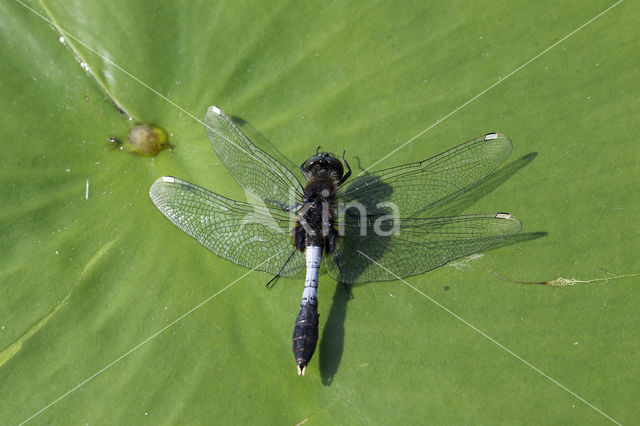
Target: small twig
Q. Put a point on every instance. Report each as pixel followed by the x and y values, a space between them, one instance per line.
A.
pixel 564 282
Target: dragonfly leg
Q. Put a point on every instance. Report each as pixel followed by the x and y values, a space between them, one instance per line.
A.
pixel 331 240
pixel 281 269
pixel 299 237
pixel 291 208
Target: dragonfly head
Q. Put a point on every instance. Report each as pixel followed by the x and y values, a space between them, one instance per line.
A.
pixel 322 161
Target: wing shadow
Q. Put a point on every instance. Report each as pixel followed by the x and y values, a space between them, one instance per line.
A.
pixel 461 202
pixel 352 264
pixel 332 343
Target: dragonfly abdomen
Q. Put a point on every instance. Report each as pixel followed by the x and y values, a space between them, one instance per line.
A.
pixel 305 332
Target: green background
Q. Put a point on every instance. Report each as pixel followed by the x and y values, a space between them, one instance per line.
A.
pixel 85 281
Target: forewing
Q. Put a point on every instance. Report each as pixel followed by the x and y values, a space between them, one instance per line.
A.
pixel 247 234
pixel 261 175
pixel 418 186
pixel 419 246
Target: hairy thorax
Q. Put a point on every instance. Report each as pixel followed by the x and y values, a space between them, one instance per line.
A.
pixel 315 225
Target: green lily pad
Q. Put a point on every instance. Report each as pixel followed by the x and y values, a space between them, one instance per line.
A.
pixel 109 314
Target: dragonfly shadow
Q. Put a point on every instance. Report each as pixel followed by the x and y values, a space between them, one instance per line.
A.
pixel 520 238
pixel 332 340
pixel 356 162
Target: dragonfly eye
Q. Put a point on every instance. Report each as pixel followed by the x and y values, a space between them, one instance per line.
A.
pixel 326 161
pixel 311 162
pixel 335 165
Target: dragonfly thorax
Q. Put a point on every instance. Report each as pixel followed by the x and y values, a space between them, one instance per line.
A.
pixel 315 226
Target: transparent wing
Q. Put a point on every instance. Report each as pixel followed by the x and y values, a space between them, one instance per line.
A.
pixel 418 246
pixel 261 175
pixel 418 186
pixel 247 234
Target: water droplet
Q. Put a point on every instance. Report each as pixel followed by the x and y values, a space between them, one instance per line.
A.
pixel 68 170
pixel 61 39
pixel 84 66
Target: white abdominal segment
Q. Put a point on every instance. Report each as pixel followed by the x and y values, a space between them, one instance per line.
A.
pixel 310 294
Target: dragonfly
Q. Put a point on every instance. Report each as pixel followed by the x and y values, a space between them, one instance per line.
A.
pixel 374 228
